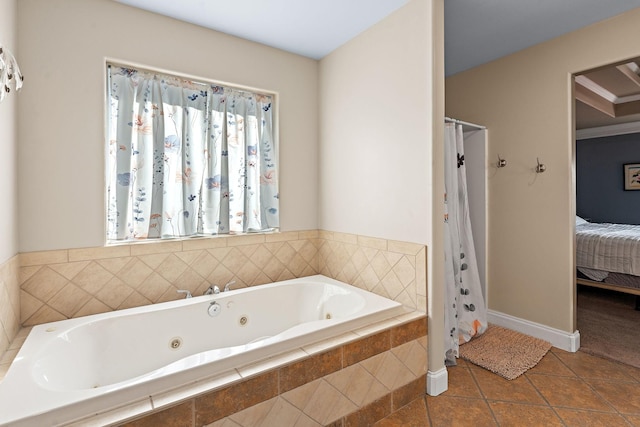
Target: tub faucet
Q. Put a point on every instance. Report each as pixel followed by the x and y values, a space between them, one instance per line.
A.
pixel 227 287
pixel 213 289
pixel 184 291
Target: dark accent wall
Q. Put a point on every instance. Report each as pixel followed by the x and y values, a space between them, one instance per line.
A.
pixel 600 190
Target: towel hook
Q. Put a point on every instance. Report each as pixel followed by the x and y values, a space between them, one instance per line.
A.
pixel 501 162
pixel 541 167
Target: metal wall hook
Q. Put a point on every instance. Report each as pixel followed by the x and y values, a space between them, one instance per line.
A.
pixel 540 167
pixel 501 162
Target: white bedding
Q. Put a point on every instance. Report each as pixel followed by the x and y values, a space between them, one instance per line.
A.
pixel 608 247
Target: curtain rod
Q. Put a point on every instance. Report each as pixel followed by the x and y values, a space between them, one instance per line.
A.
pixel 460 122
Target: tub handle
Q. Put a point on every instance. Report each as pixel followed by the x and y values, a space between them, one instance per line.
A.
pixel 212 290
pixel 184 291
pixel 227 287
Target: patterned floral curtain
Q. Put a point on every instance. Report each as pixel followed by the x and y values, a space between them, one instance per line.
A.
pixel 187 158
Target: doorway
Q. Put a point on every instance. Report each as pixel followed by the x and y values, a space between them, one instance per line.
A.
pixel 607 129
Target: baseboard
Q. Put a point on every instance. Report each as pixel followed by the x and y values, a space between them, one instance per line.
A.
pixel 560 339
pixel 437 382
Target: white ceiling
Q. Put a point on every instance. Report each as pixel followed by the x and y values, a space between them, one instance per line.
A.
pixel 307 28
pixel 476 31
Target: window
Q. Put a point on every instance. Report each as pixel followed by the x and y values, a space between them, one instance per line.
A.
pixel 187 158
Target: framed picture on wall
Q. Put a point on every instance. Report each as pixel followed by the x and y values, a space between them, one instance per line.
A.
pixel 632 176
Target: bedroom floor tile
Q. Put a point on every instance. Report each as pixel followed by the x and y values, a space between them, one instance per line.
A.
pixel 564 389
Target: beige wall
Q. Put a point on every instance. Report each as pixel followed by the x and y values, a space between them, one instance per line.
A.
pixel 375 142
pixel 379 175
pixel 525 100
pixel 8 141
pixel 61 152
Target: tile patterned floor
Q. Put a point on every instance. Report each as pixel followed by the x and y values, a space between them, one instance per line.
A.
pixel 564 389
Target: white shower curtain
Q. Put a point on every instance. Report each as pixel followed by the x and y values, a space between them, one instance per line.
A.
pixel 465 310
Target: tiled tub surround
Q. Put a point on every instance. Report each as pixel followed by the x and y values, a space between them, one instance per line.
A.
pixel 352 380
pixel 55 285
pixel 9 308
pixel 61 284
pixel 76 367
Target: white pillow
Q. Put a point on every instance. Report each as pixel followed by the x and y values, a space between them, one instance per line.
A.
pixel 580 221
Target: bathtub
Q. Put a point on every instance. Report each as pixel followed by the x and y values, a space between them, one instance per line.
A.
pixel 71 369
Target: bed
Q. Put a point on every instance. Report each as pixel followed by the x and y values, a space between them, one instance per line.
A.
pixel 608 256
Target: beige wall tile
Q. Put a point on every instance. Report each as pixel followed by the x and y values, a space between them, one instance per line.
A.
pixel 10 309
pixel 308 234
pixel 84 254
pixel 92 278
pixel 44 257
pixel 373 242
pixel 326 235
pixel 404 271
pixel 28 306
pixel 156 260
pixel 421 272
pixel 114 293
pixel 281 237
pixel 153 287
pixel 45 284
pixel 114 265
pixel 134 273
pixel 171 268
pixel 404 247
pixel 135 299
pixel 247 239
pixel 146 273
pixel 69 269
pixel 93 307
pixel 345 238
pixel 327 404
pixel 69 300
pixel 44 314
pixel 204 243
pixel 156 248
pixel 421 303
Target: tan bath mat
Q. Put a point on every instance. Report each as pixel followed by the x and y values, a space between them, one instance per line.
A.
pixel 503 351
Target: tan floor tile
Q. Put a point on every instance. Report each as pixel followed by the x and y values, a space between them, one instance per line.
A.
pixel 519 414
pixel 569 393
pixel 575 418
pixel 625 397
pixel 634 420
pixel 634 373
pixel 459 411
pixel 588 366
pixel 412 415
pixel 551 365
pixel 494 387
pixel 461 383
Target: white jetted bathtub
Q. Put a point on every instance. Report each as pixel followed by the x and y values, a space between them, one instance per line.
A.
pixel 73 368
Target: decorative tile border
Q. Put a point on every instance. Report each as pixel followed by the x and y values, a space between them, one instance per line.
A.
pixel 61 284
pixel 333 386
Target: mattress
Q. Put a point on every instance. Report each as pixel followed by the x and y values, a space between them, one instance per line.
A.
pixel 613 248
